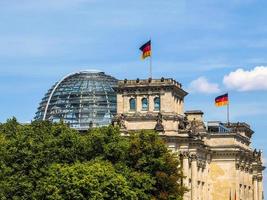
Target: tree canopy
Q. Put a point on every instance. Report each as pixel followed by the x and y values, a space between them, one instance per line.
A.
pixel 45 160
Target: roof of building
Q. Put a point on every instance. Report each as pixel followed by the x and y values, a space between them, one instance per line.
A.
pixel 82 99
pixel 194 112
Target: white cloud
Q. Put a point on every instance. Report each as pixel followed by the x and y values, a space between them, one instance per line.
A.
pixel 242 80
pixel 202 85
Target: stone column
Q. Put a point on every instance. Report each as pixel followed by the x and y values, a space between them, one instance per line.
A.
pixel 194 177
pixel 126 105
pixel 255 188
pixel 206 181
pixel 250 193
pixel 237 189
pixel 138 103
pixel 246 182
pixel 241 176
pixel 251 184
pixel 201 179
pixel 260 188
pixel 247 192
pixel 150 103
pixel 185 173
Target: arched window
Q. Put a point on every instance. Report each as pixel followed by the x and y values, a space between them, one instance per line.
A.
pixel 144 104
pixel 156 103
pixel 132 104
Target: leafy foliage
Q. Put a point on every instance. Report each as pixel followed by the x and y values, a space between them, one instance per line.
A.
pixel 43 160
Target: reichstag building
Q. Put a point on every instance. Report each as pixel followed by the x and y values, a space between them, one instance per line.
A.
pixel 217 158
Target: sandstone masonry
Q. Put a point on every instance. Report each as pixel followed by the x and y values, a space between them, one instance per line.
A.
pixel 217 159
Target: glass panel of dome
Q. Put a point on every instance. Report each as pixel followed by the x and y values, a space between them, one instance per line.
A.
pixel 80 97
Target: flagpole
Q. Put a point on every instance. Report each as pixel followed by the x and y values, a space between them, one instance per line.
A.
pixel 150 60
pixel 150 66
pixel 228 120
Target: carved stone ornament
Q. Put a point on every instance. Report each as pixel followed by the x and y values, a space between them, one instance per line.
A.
pixel 193 157
pixel 237 165
pixel 197 126
pixel 201 164
pixel 121 121
pixel 185 154
pixel 193 128
pixel 254 177
pixel 260 178
pixel 257 155
pixel 159 126
pixel 184 124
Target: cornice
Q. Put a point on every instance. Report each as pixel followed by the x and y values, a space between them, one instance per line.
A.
pixel 230 135
pixel 150 116
pixel 130 86
pixel 144 89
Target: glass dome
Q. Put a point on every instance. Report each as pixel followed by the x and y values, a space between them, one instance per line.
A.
pixel 83 100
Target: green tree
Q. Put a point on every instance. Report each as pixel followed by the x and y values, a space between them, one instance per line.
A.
pixel 44 160
pixel 148 153
pixel 88 180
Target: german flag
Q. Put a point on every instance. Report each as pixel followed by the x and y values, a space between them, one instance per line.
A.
pixel 222 100
pixel 146 49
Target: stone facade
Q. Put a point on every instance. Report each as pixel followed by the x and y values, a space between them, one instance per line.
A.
pixel 217 159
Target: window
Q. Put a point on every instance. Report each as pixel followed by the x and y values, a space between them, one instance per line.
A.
pixel 157 103
pixel 144 104
pixel 132 104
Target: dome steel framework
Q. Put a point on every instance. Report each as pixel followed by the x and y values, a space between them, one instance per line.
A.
pixel 83 100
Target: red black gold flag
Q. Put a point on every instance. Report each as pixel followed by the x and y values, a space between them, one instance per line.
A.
pixel 222 100
pixel 146 49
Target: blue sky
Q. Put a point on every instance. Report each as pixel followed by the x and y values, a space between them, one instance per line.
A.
pixel 201 44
